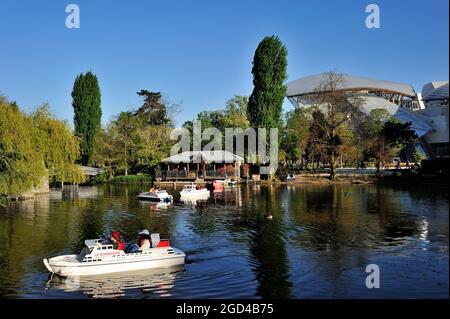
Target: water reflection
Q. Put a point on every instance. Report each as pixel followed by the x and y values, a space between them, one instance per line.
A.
pixel 154 283
pixel 270 261
pixel 154 207
pixel 317 243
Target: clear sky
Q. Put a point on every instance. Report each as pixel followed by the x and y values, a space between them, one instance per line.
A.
pixel 200 52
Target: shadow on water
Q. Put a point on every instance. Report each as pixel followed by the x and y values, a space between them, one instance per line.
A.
pixel 153 283
pixel 253 241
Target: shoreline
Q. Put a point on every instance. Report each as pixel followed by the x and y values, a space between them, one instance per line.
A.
pixel 349 180
pixel 367 180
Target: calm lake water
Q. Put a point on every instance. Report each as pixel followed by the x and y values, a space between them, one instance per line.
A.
pixel 317 245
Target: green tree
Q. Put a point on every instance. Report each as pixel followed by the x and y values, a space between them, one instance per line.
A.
pixel 124 136
pixel 295 134
pixel 236 112
pixel 368 130
pixel 136 138
pixel 106 153
pixel 21 164
pixel 57 145
pixel 314 151
pixel 373 123
pixel 269 75
pixel 207 119
pixel 86 102
pixel 211 119
pixel 154 110
pixel 153 144
pixel 392 137
pixel 338 108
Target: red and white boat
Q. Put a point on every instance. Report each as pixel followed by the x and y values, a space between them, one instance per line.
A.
pixel 97 258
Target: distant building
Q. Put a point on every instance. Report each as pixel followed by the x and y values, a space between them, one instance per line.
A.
pixel 399 99
pixel 206 165
pixel 435 113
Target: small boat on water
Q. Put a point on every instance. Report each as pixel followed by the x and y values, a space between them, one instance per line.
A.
pixel 229 183
pixel 193 191
pixel 290 178
pixel 156 196
pixel 97 258
pixel 218 186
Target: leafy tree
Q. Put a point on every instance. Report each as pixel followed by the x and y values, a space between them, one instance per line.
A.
pixel 207 119
pixel 86 100
pixel 373 123
pixel 124 137
pixel 393 136
pixel 57 145
pixel 236 112
pixel 418 157
pixel 136 138
pixel 153 144
pixel 154 110
pixel 316 152
pixel 295 134
pixel 398 134
pixel 106 154
pixel 21 164
pixel 211 119
pixel 269 75
pixel 338 108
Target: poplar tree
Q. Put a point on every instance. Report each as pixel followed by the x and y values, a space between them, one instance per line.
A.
pixel 269 74
pixel 86 105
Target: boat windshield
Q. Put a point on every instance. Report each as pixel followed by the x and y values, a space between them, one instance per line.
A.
pixel 85 251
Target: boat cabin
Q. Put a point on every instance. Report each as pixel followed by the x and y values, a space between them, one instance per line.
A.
pixel 95 247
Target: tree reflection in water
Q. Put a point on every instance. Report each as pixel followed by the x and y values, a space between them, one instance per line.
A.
pixel 316 245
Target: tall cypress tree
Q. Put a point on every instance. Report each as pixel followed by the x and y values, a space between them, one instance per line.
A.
pixel 86 100
pixel 269 73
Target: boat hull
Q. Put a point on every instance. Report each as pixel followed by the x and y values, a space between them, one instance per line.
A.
pixel 155 198
pixel 151 199
pixel 73 268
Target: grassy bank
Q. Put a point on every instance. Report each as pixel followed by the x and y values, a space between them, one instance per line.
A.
pixel 364 179
pixel 123 179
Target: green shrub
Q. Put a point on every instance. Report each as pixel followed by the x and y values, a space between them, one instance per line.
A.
pixel 100 178
pixel 133 179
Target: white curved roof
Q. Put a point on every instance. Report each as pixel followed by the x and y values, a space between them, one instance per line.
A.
pixel 439 93
pixel 403 115
pixel 431 86
pixel 309 84
pixel 204 156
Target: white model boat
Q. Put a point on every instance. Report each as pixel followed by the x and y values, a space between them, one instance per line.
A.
pixel 97 259
pixel 156 196
pixel 191 192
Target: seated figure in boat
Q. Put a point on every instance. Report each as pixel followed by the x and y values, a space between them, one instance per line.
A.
pixel 143 242
pixel 116 241
pixel 154 189
pixel 144 239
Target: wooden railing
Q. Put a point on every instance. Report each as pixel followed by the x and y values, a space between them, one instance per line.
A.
pixel 182 174
pixel 91 171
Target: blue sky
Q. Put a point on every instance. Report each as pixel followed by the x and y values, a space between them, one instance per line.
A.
pixel 200 52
